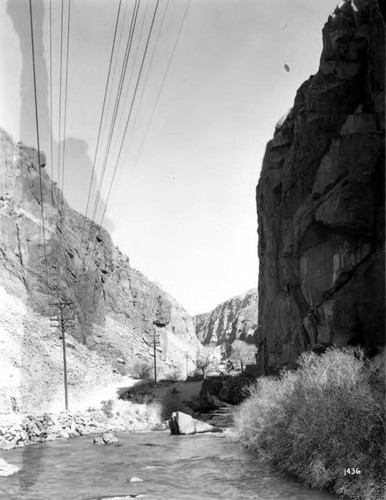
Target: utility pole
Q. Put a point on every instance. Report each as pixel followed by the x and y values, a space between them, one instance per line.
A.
pixel 158 321
pixel 187 364
pixel 63 321
pixel 155 345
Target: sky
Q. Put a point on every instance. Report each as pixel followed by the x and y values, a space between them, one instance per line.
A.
pixel 182 204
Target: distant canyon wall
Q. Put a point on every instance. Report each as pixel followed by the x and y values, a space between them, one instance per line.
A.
pixel 320 201
pixel 234 319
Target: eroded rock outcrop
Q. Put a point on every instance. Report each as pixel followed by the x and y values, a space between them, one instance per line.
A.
pixel 320 200
pixel 234 319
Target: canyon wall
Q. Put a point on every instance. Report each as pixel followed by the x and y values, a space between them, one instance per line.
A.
pixel 116 308
pixel 321 204
pixel 234 319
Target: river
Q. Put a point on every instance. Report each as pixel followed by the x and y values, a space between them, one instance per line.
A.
pixel 197 467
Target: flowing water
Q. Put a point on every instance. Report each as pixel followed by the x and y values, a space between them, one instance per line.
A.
pixel 198 467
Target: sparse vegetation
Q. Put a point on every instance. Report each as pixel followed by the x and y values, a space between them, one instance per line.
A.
pixel 143 370
pixel 176 375
pixel 207 359
pixel 107 407
pixel 320 420
pixel 242 353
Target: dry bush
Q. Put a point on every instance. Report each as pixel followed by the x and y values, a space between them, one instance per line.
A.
pixel 107 407
pixel 325 417
pixel 176 375
pixel 207 358
pixel 143 370
pixel 242 353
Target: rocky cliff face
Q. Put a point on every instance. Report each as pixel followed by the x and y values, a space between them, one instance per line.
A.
pixel 114 305
pixel 234 319
pixel 320 200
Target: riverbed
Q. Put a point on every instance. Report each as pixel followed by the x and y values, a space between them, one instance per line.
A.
pixel 197 467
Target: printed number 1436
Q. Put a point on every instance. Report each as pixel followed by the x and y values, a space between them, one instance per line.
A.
pixel 351 471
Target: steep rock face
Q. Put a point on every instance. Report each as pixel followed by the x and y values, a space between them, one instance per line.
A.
pixel 234 319
pixel 320 200
pixel 116 307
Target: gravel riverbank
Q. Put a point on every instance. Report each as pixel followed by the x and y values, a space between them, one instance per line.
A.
pixel 18 430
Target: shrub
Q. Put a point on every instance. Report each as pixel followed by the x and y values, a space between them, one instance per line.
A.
pixel 320 420
pixel 207 359
pixel 176 375
pixel 242 353
pixel 107 408
pixel 194 377
pixel 143 370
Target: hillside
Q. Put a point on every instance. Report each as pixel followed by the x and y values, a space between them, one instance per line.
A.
pixel 321 201
pixel 114 305
pixel 233 319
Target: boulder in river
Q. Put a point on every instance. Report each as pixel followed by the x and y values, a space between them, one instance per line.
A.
pixel 109 438
pixel 98 440
pixel 105 438
pixel 181 423
pixel 136 480
pixel 7 469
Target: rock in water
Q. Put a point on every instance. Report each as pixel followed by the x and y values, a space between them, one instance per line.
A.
pixel 109 438
pixel 98 440
pixel 320 201
pixel 181 423
pixel 7 469
pixel 105 438
pixel 63 434
pixel 136 480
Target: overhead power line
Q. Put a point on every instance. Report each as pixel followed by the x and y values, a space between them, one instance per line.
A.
pixel 127 123
pixel 117 102
pixel 151 62
pixel 60 89
pixel 127 53
pixel 102 113
pixel 133 105
pixel 135 58
pixel 65 97
pixel 62 131
pixel 38 140
pixel 130 111
pixel 165 75
pixel 51 132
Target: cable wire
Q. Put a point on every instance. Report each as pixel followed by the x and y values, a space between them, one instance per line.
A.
pixel 38 139
pixel 117 102
pixel 81 252
pixel 60 92
pixel 131 109
pixel 51 140
pixel 163 80
pixel 127 123
pixel 65 97
pixel 151 62
pixel 102 113
pixel 135 57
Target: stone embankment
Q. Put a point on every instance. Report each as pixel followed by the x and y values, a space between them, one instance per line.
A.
pixel 25 430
